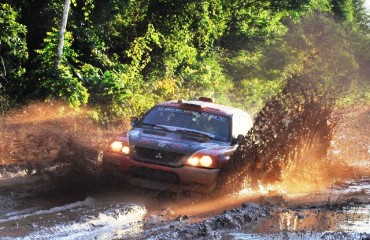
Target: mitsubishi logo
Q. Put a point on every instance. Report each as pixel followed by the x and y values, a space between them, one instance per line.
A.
pixel 158 156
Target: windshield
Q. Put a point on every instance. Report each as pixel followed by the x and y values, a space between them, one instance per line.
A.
pixel 212 124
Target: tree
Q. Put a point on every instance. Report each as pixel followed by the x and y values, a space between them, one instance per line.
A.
pixel 62 31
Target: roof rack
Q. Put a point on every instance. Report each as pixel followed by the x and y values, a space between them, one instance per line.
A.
pixel 206 99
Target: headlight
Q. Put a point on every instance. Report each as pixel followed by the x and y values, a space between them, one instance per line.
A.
pixel 201 161
pixel 125 150
pixel 118 147
pixel 193 161
pixel 206 161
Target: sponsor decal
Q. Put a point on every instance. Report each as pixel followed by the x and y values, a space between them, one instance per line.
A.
pixel 204 114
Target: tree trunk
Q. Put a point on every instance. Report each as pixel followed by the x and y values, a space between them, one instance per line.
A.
pixel 62 30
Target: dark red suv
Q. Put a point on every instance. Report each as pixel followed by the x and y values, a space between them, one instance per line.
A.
pixel 179 145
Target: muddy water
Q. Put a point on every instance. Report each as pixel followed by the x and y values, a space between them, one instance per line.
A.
pixel 88 218
pixel 347 219
pixel 345 215
pixel 31 209
pixel 352 217
pixel 320 223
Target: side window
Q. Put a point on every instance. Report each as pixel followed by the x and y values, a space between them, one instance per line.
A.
pixel 236 125
pixel 241 124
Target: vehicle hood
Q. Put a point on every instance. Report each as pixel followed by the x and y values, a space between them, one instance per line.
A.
pixel 172 141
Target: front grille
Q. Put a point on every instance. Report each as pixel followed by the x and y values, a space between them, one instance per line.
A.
pixel 156 156
pixel 154 174
pixel 152 132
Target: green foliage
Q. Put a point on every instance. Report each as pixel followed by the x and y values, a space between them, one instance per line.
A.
pixel 13 50
pixel 317 55
pixel 60 83
pixel 344 9
pixel 178 53
pixel 121 57
pixel 324 49
pixel 361 16
pixel 253 93
pixel 357 94
pixel 206 78
pixel 139 51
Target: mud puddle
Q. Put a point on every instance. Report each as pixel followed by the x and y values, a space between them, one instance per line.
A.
pixel 350 222
pixel 88 218
pixel 79 220
pixel 32 209
pixel 347 219
pixel 343 212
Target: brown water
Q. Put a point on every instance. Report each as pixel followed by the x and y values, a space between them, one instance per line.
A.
pixel 348 219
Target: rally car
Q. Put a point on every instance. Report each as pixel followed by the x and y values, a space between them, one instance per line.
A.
pixel 179 145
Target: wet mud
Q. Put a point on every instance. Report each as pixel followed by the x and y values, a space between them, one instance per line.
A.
pixel 65 195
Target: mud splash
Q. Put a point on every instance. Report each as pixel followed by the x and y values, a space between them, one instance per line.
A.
pixel 293 132
pixel 50 139
pixel 281 136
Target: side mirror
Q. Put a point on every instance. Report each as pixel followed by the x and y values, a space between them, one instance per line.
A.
pixel 239 139
pixel 134 121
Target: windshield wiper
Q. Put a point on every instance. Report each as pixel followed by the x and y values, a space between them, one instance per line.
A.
pixel 196 133
pixel 157 126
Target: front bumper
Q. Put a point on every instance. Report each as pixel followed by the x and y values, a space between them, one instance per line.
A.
pixel 189 178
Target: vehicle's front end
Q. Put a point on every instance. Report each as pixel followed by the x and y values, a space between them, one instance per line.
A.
pixel 160 162
pixel 174 147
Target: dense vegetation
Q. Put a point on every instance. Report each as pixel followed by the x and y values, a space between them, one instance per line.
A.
pixel 121 57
